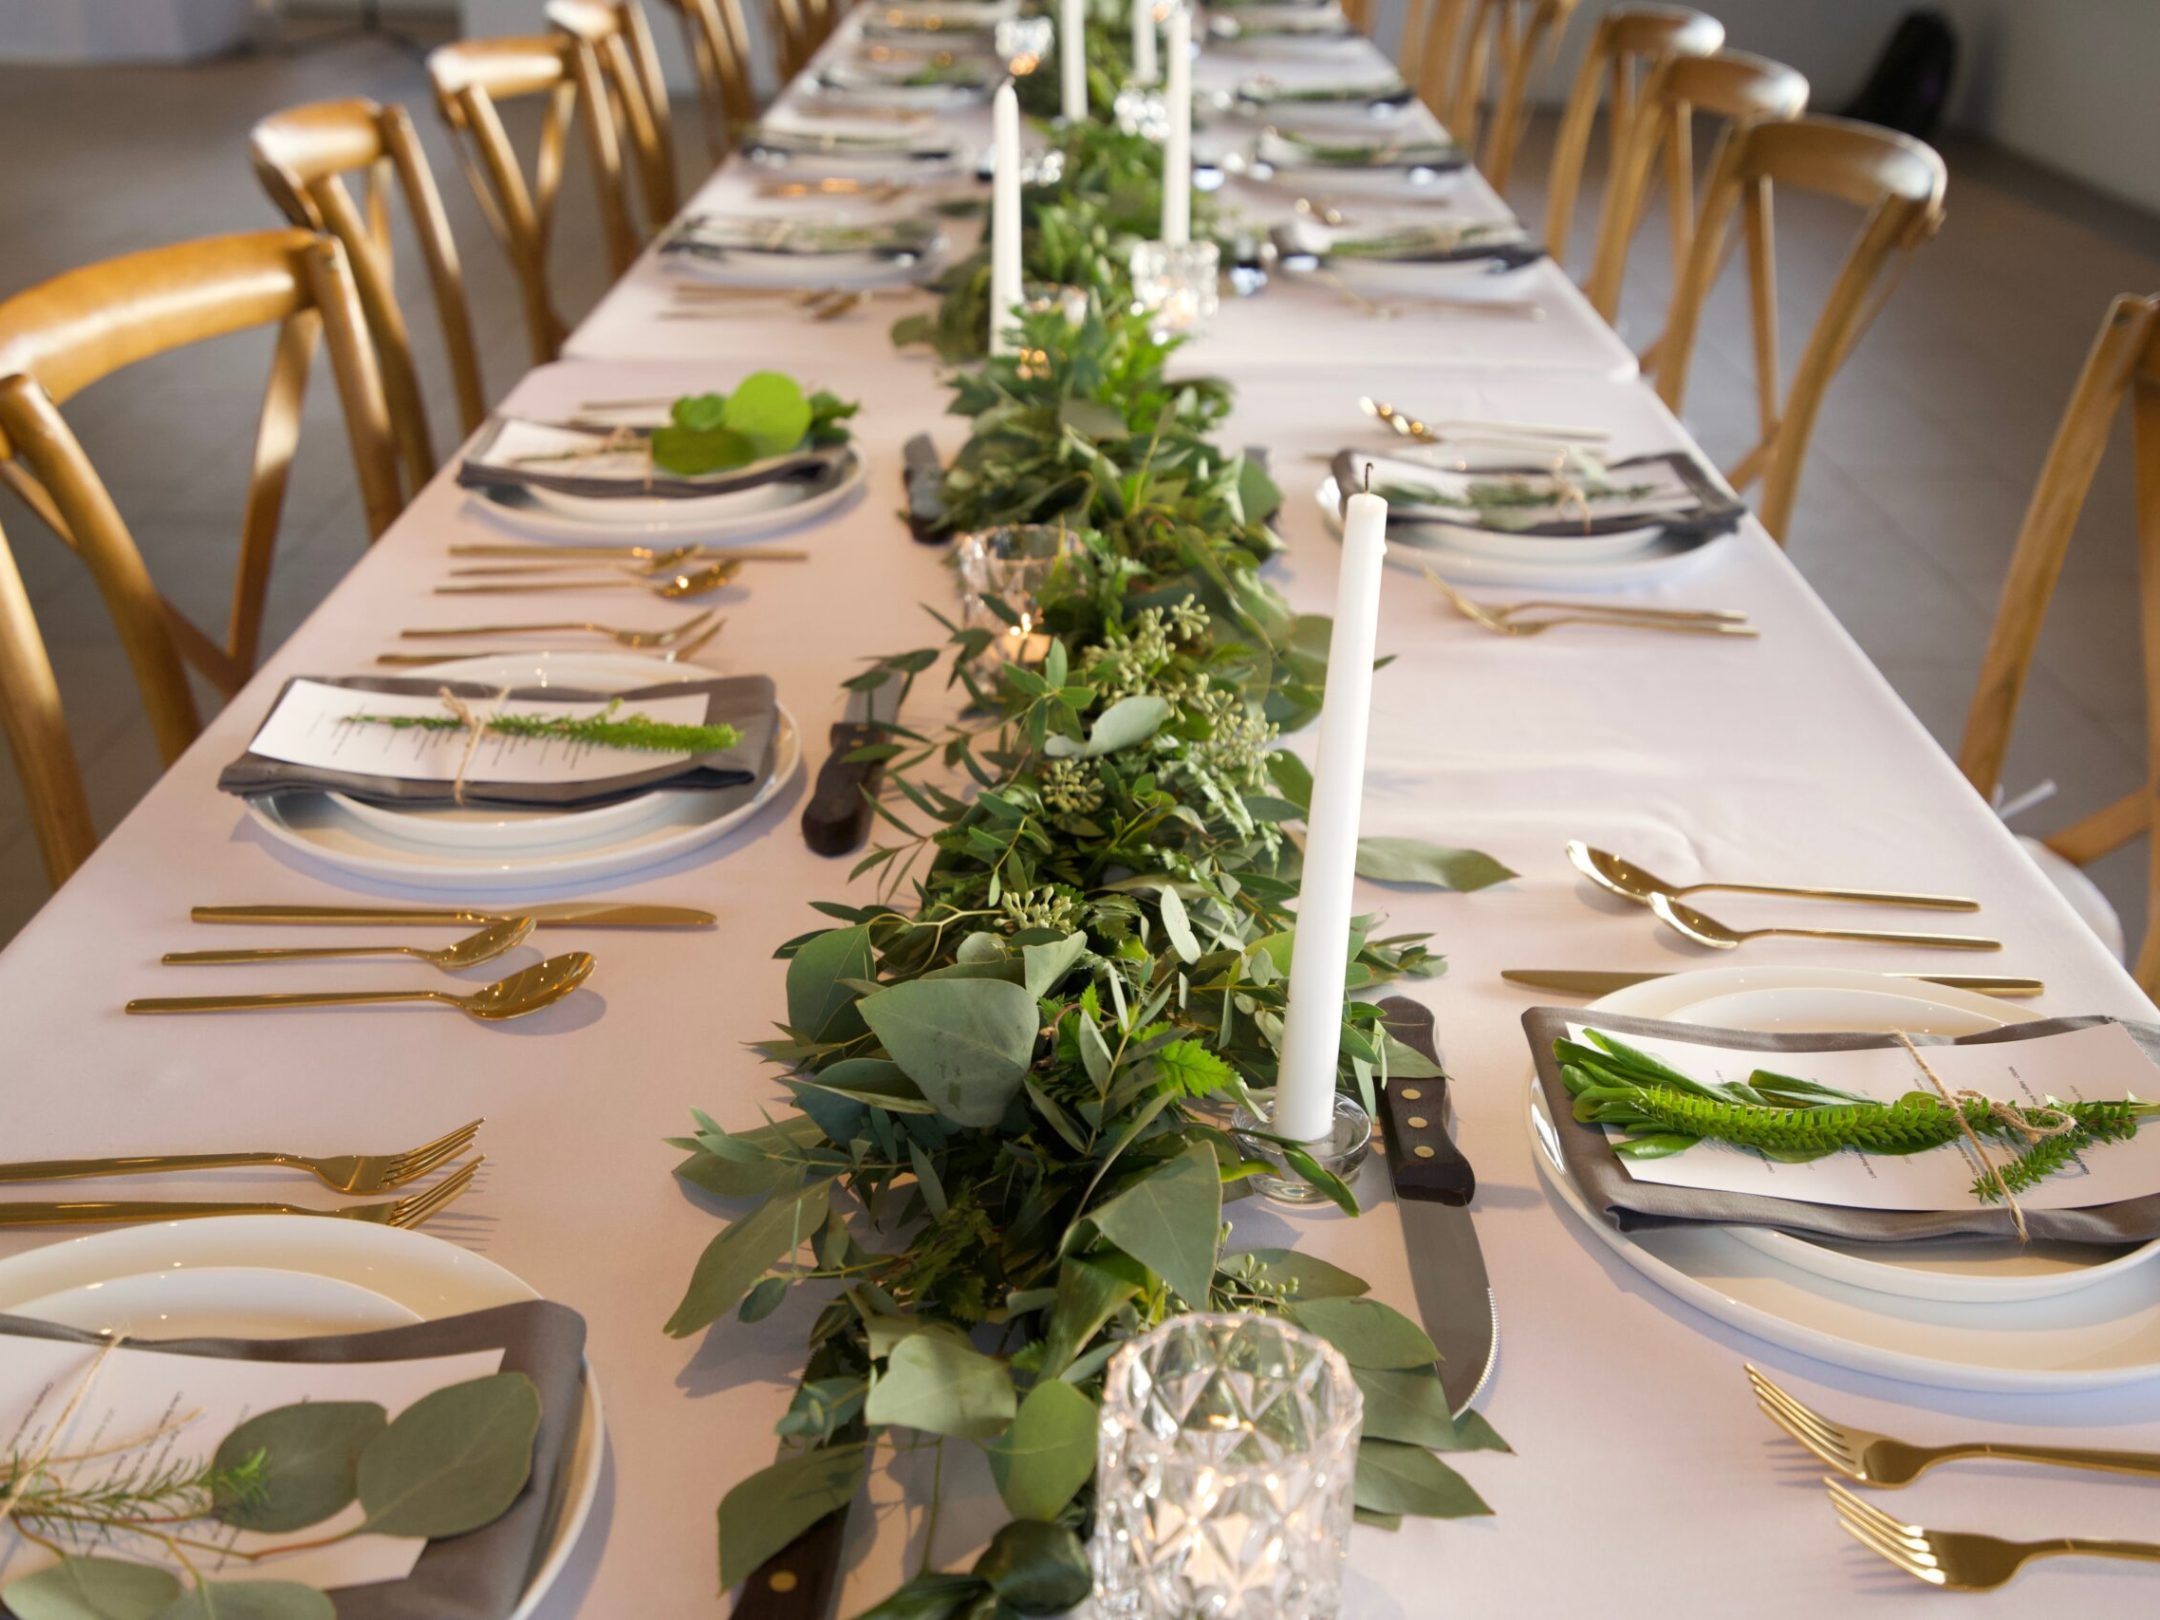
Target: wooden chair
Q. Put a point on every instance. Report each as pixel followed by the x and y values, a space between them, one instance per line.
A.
pixel 1472 46
pixel 718 35
pixel 471 77
pixel 58 338
pixel 1425 51
pixel 302 156
pixel 622 43
pixel 1897 180
pixel 1625 50
pixel 1730 86
pixel 789 31
pixel 2124 365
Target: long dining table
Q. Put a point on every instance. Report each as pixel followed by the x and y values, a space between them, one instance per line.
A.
pixel 1643 1481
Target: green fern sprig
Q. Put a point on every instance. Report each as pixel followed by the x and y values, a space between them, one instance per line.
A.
pixel 638 732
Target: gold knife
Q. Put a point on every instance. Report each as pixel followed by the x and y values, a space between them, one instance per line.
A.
pixel 1588 982
pixel 581 913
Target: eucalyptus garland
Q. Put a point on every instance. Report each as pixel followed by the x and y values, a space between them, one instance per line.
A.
pixel 1011 1071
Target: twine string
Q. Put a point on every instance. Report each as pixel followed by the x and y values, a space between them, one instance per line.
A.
pixel 2025 1122
pixel 476 725
pixel 12 1493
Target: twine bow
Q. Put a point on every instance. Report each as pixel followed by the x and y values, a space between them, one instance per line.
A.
pixel 13 1491
pixel 475 725
pixel 2025 1122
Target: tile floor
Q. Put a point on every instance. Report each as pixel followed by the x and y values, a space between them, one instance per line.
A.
pixel 1913 492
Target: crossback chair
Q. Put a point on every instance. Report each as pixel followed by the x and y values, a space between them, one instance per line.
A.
pixel 1624 52
pixel 1896 180
pixel 471 78
pixel 58 338
pixel 1731 87
pixel 718 35
pixel 1473 51
pixel 621 41
pixel 302 156
pixel 2124 366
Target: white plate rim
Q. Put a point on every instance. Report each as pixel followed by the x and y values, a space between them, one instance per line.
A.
pixel 552 524
pixel 53 1266
pixel 40 1306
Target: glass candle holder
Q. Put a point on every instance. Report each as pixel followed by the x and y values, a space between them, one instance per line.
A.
pixel 1223 1473
pixel 1012 565
pixel 1140 109
pixel 1022 43
pixel 1174 285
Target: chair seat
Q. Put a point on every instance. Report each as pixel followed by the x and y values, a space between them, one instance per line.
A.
pixel 2083 894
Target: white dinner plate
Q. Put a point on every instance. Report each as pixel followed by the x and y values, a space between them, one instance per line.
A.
pixel 862 271
pixel 740 515
pixel 219 1302
pixel 1638 563
pixel 2098 1332
pixel 427 851
pixel 410 1275
pixel 489 827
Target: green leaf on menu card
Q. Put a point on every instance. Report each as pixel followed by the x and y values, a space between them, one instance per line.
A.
pixel 1168 1221
pixel 250 1600
pixel 1048 1452
pixel 776 1504
pixel 453 1460
pixel 693 454
pixel 310 1457
pixel 941 1386
pixel 966 1042
pixel 745 1250
pixel 1129 720
pixel 768 408
pixel 1311 1276
pixel 1368 1333
pixel 1395 1478
pixel 1431 866
pixel 91 1589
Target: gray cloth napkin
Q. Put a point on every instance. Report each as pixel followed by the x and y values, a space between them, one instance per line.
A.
pixel 745 702
pixel 480 1575
pixel 1718 513
pixel 1631 1205
pixel 476 471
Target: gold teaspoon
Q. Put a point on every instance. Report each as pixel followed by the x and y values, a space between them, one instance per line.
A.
pixel 1623 877
pixel 525 991
pixel 491 942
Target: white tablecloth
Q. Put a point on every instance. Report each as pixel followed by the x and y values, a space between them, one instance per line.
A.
pixel 1644 1484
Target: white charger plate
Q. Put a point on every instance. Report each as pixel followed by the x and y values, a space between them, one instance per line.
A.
pixel 860 271
pixel 216 1273
pixel 1637 563
pixel 2097 1336
pixel 740 515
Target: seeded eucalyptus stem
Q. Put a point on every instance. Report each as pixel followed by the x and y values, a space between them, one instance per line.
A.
pixel 636 732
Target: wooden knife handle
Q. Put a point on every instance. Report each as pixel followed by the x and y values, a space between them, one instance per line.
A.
pixel 837 818
pixel 801 1580
pixel 1423 1160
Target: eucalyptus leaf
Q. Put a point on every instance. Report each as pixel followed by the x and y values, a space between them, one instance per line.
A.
pixel 765 1512
pixel 933 1595
pixel 250 1600
pixel 1048 1453
pixel 1431 866
pixel 1047 965
pixel 745 1251
pixel 1395 1478
pixel 1036 1568
pixel 310 1458
pixel 1406 1405
pixel 966 1042
pixel 453 1460
pixel 934 1384
pixel 91 1589
pixel 1128 721
pixel 1368 1333
pixel 1474 1433
pixel 821 1002
pixel 1089 1289
pixel 1311 1276
pixel 756 1162
pixel 1178 926
pixel 1168 1221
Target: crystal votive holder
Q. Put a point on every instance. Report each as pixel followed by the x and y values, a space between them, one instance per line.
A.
pixel 1223 1473
pixel 1022 43
pixel 1012 565
pixel 1174 285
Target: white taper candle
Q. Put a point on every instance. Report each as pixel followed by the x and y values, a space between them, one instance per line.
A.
pixel 1072 60
pixel 1177 150
pixel 1144 68
pixel 1312 1022
pixel 1005 290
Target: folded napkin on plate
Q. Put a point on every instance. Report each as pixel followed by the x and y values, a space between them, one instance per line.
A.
pixel 514 454
pixel 1289 151
pixel 1705 512
pixel 1262 91
pixel 723 235
pixel 745 702
pixel 1496 247
pixel 479 1575
pixel 1631 1205
pixel 878 144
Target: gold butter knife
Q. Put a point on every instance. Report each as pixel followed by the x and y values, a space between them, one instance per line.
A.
pixel 1590 982
pixel 563 913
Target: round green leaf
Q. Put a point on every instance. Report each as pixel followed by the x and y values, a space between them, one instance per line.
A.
pixel 693 452
pixel 453 1460
pixel 1368 1333
pixel 966 1042
pixel 310 1452
pixel 1048 1452
pixel 250 1600
pixel 1036 1568
pixel 91 1589
pixel 942 1386
pixel 768 409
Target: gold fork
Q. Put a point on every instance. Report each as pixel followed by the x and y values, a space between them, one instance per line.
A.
pixel 1877 1459
pixel 1958 1560
pixel 410 1210
pixel 1501 621
pixel 622 638
pixel 348 1173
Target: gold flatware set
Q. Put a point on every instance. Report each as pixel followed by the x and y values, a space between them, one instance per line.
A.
pixel 1604 981
pixel 490 942
pixel 525 991
pixel 1534 618
pixel 1619 876
pixel 1954 1560
pixel 553 914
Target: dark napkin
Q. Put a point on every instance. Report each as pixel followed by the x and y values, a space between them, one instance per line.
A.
pixel 479 1575
pixel 743 701
pixel 1718 514
pixel 1632 1205
pixel 475 471
pixel 713 236
pixel 1297 247
pixel 923 475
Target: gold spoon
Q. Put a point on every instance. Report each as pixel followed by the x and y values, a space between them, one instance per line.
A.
pixel 1617 875
pixel 527 990
pixel 1678 914
pixel 470 951
pixel 692 582
pixel 662 562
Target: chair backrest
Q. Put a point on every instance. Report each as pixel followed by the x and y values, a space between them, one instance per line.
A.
pixel 471 77
pixel 1895 179
pixel 1479 49
pixel 2124 365
pixel 302 156
pixel 67 333
pixel 718 35
pixel 36 726
pixel 1731 86
pixel 1624 50
pixel 621 41
pixel 789 31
